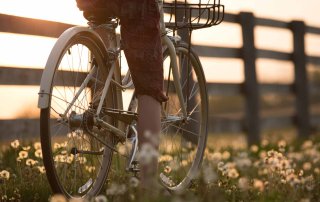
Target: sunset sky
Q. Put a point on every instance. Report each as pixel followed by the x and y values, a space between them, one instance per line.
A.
pixel 29 51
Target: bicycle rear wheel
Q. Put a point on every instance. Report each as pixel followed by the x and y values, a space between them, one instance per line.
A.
pixel 183 140
pixel 76 162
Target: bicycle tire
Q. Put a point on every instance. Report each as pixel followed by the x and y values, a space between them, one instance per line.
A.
pixel 180 162
pixel 70 170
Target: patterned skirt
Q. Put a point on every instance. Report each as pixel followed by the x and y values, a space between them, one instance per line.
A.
pixel 141 42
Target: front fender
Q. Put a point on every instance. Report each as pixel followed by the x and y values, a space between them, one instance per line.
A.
pixel 55 57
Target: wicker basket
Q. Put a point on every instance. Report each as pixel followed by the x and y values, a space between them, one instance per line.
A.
pixel 193 15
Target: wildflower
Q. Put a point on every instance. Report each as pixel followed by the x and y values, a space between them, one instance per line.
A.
pixel 56 146
pixel 134 182
pixel 285 164
pixel 27 148
pixel 41 169
pixel 60 158
pixel 90 169
pixel 37 145
pixel 4 174
pixel 216 156
pixel 15 144
pixel 307 166
pixel 243 154
pixel 271 153
pixel 289 171
pixel 295 155
pixel 301 173
pixel 122 149
pixel 243 162
pixel 116 189
pixel 262 154
pixel 38 153
pixel 258 184
pixel 230 165
pixel 174 165
pixel 132 197
pixel 165 158
pixel 72 135
pixel 189 145
pixel 220 165
pixel 100 198
pixel 58 198
pixel 77 200
pixel 184 163
pixel 282 144
pixel 70 158
pixel 316 160
pixel 31 162
pixel 233 173
pixel 81 159
pixel 257 164
pixel 254 148
pixel 4 197
pixel 147 154
pixel 309 182
pixel 263 171
pixel 167 169
pixel 264 142
pixel 154 139
pixel 292 179
pixel 23 154
pixel 243 183
pixel 209 175
pixel 307 145
pixel 226 155
pixel 64 144
pixel 63 152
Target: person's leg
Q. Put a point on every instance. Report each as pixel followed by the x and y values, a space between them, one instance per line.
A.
pixel 140 34
pixel 149 110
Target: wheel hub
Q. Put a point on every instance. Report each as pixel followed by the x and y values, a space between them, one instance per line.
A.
pixel 81 121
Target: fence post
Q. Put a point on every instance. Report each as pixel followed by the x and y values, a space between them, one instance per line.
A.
pixel 300 80
pixel 251 88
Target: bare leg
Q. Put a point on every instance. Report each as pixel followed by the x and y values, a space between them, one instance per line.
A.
pixel 149 125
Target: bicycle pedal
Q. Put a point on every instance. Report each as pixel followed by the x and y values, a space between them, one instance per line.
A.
pixel 134 170
pixel 135 162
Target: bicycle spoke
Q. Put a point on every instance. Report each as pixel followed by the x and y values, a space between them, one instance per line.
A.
pixel 183 137
pixel 77 86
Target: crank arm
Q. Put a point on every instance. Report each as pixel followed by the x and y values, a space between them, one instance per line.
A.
pixel 119 133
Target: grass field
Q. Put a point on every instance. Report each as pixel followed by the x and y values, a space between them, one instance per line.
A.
pixel 274 170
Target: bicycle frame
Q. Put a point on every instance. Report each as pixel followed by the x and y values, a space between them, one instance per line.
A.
pixel 45 90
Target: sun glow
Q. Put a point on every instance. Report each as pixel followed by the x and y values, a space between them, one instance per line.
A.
pixel 18 50
pixel 58 10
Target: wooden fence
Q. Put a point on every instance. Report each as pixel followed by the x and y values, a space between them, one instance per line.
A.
pixel 252 123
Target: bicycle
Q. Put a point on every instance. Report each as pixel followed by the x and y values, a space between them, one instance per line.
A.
pixel 83 123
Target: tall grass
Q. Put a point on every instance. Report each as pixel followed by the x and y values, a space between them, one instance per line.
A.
pixel 269 171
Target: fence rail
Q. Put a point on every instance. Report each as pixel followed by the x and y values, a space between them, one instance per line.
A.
pixel 252 121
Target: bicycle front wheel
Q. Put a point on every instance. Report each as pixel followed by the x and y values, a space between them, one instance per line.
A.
pixel 75 154
pixel 183 138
